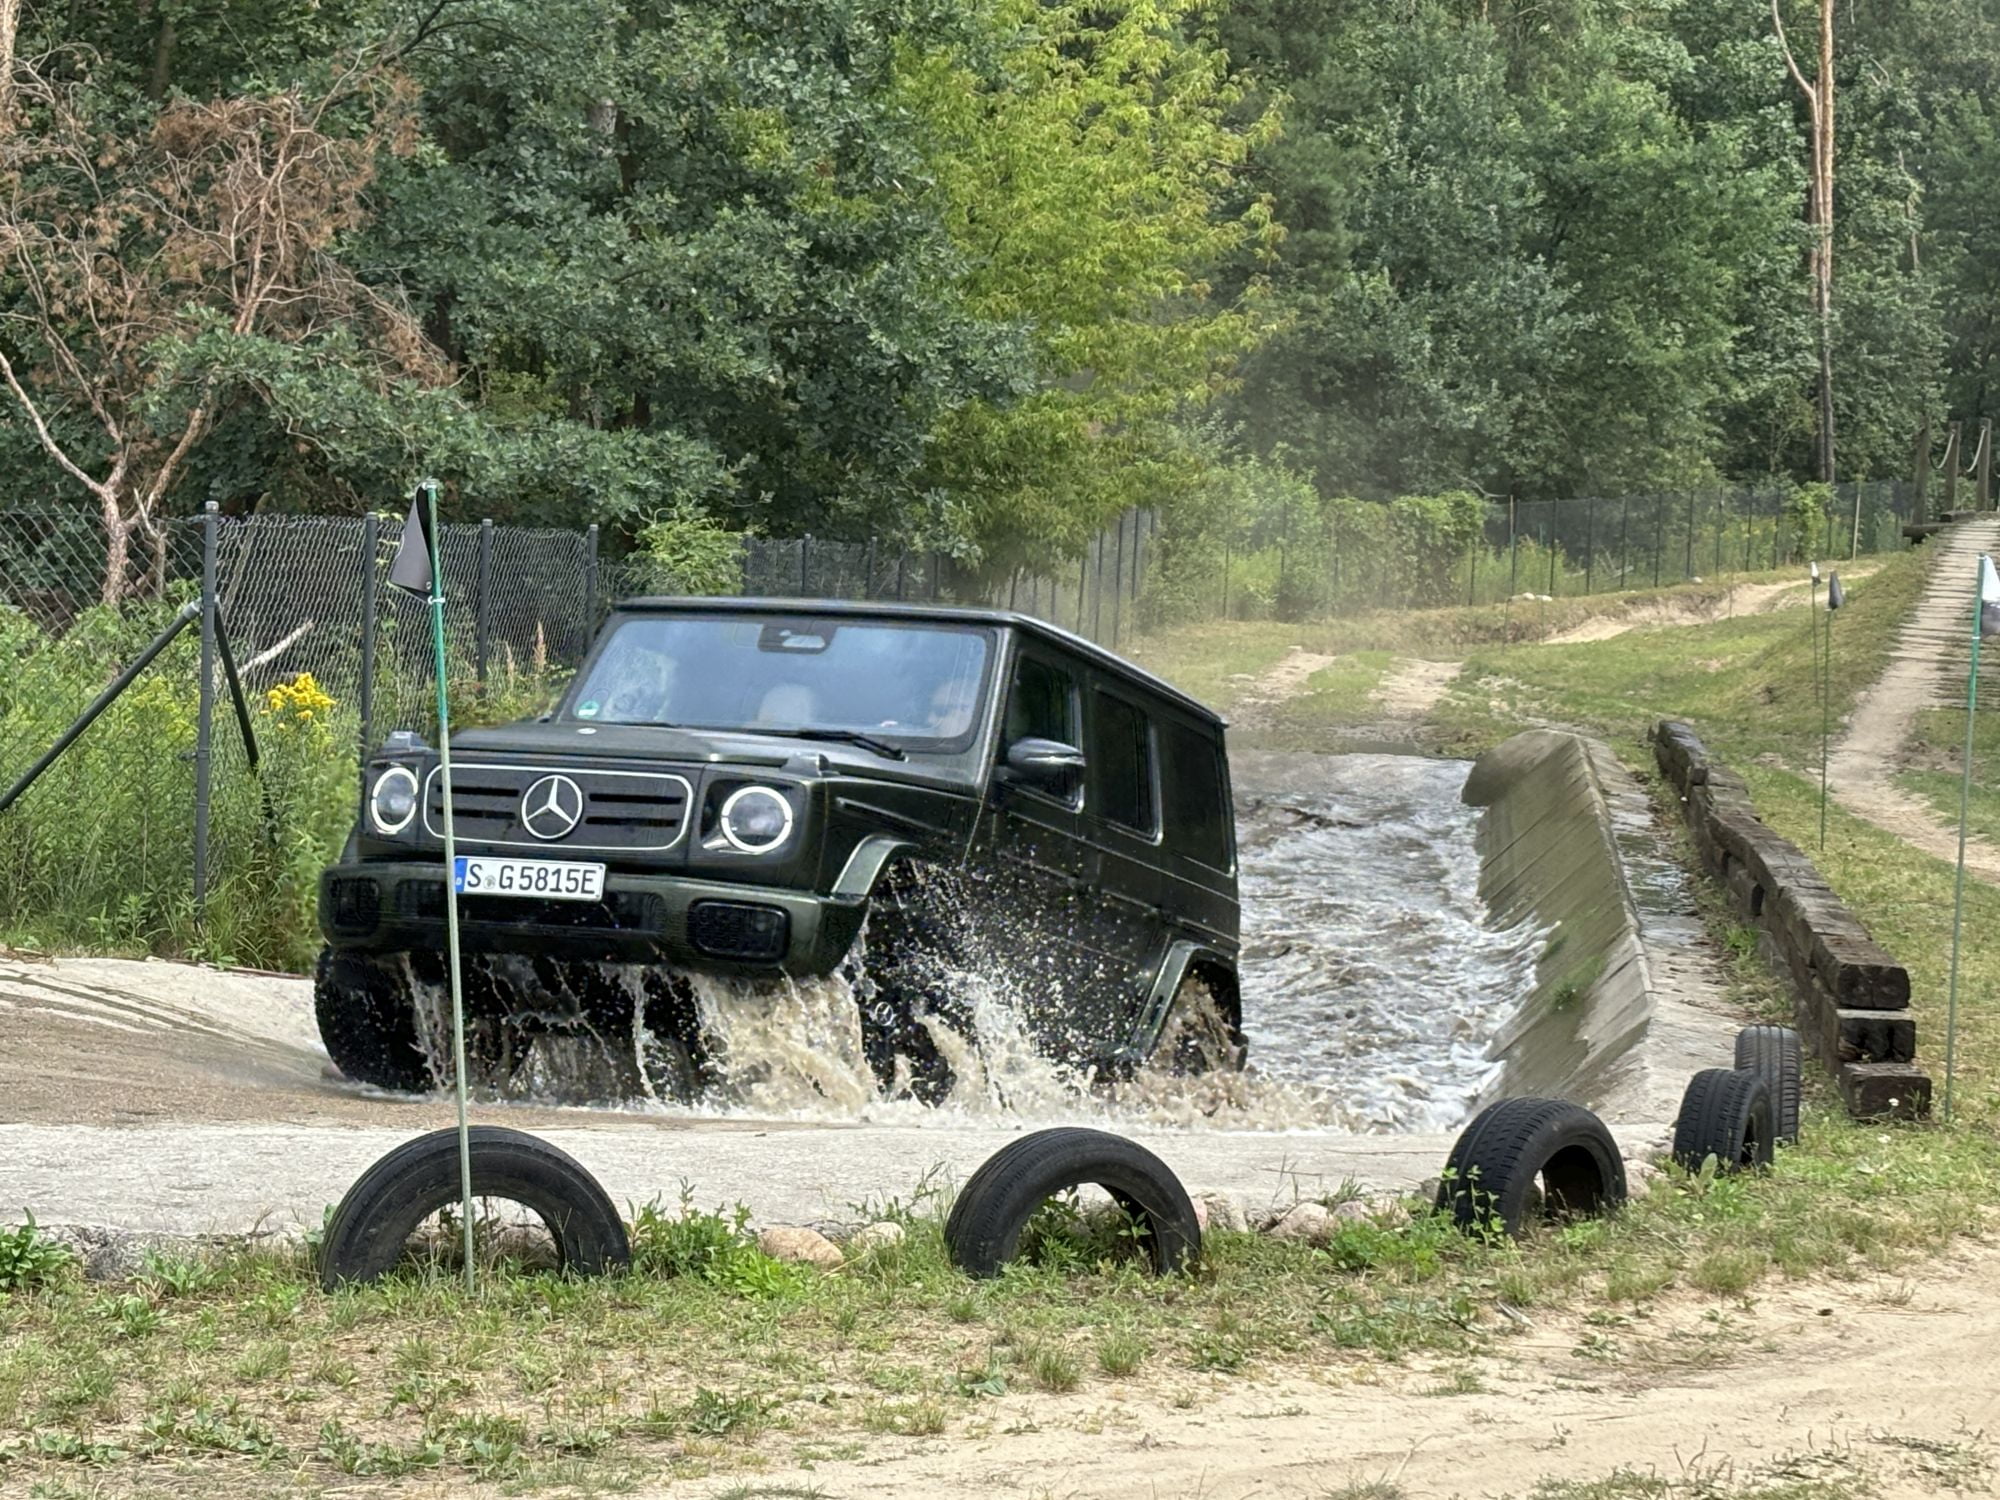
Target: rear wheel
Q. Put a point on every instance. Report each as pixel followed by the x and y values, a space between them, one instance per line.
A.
pixel 368 1020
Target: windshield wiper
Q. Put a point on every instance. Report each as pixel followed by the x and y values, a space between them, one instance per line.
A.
pixel 846 737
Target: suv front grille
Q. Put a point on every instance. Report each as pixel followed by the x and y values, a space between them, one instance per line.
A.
pixel 638 811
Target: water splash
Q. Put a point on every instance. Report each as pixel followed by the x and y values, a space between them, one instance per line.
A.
pixel 1372 986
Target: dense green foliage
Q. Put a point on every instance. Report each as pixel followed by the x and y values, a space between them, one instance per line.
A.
pixel 1557 249
pixel 978 277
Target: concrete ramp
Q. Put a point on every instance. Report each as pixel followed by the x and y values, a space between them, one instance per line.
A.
pixel 1624 1010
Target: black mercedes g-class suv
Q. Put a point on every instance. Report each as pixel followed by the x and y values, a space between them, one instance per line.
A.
pixel 781 788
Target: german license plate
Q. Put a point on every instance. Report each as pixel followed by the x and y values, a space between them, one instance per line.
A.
pixel 542 879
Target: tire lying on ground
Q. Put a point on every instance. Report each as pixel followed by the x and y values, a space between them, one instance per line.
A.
pixel 983 1231
pixel 1726 1113
pixel 1524 1159
pixel 1775 1052
pixel 366 1235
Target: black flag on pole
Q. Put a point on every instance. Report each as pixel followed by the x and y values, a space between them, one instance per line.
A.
pixel 411 570
pixel 1835 594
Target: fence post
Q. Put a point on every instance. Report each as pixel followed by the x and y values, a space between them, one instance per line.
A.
pixel 1920 474
pixel 1013 590
pixel 589 584
pixel 1985 463
pixel 1472 569
pixel 1225 577
pixel 371 536
pixel 868 576
pixel 1624 520
pixel 204 729
pixel 1097 595
pixel 937 576
pixel 1951 468
pixel 1589 543
pixel 1687 563
pixel 1514 545
pixel 1721 523
pixel 483 631
pixel 902 574
pixel 1118 584
pixel 1659 535
pixel 1082 579
pixel 805 566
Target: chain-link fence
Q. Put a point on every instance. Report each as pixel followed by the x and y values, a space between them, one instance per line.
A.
pixel 194 812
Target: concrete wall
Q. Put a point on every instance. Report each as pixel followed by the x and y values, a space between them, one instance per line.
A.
pixel 1851 998
pixel 1598 1028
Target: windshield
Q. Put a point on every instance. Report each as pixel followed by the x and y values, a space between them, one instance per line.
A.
pixel 915 684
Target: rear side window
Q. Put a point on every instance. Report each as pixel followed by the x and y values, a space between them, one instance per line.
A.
pixel 1198 810
pixel 1042 705
pixel 1121 765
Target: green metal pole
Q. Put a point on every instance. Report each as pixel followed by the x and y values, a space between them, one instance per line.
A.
pixel 450 877
pixel 1958 892
pixel 1825 717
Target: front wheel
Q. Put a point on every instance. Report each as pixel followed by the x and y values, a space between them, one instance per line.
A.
pixel 367 1018
pixel 1197 1036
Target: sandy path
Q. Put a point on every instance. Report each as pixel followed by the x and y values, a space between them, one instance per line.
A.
pixel 1412 689
pixel 1278 684
pixel 1804 1381
pixel 1742 599
pixel 1924 671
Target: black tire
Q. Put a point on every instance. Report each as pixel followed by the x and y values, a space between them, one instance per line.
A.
pixel 1775 1051
pixel 1196 1037
pixel 1526 1159
pixel 367 1233
pixel 368 1022
pixel 911 955
pixel 1726 1113
pixel 983 1231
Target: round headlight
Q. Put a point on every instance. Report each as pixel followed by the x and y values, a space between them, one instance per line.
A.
pixel 392 802
pixel 756 819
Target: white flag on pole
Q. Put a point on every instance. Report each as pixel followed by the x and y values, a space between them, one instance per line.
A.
pixel 1989 596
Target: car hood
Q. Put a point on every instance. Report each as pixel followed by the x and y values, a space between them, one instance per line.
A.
pixel 629 742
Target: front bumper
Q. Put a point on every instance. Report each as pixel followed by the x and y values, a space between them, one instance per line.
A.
pixel 389 905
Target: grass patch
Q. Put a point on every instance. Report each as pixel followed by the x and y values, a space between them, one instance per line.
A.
pixel 1218 660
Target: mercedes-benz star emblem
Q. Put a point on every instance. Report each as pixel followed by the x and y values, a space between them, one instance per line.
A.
pixel 552 807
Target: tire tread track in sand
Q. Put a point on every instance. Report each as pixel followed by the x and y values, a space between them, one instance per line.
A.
pixel 1924 666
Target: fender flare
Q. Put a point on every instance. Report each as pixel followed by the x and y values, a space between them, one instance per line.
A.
pixel 865 864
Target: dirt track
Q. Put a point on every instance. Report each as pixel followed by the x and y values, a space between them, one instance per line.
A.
pixel 1868 754
pixel 1843 1383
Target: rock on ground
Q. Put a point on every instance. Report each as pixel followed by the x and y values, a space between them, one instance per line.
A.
pixel 805 1246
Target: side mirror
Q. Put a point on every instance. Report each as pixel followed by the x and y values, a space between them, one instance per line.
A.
pixel 1049 764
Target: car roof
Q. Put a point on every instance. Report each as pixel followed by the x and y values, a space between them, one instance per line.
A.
pixel 951 614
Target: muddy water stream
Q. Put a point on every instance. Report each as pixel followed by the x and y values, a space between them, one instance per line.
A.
pixel 1372 984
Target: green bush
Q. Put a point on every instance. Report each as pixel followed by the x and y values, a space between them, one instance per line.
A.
pixel 687 551
pixel 29 1258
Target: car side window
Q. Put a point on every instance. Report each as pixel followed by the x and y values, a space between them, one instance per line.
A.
pixel 1198 817
pixel 1121 764
pixel 1042 705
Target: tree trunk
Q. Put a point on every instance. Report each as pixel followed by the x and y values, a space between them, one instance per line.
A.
pixel 10 23
pixel 1823 269
pixel 118 529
